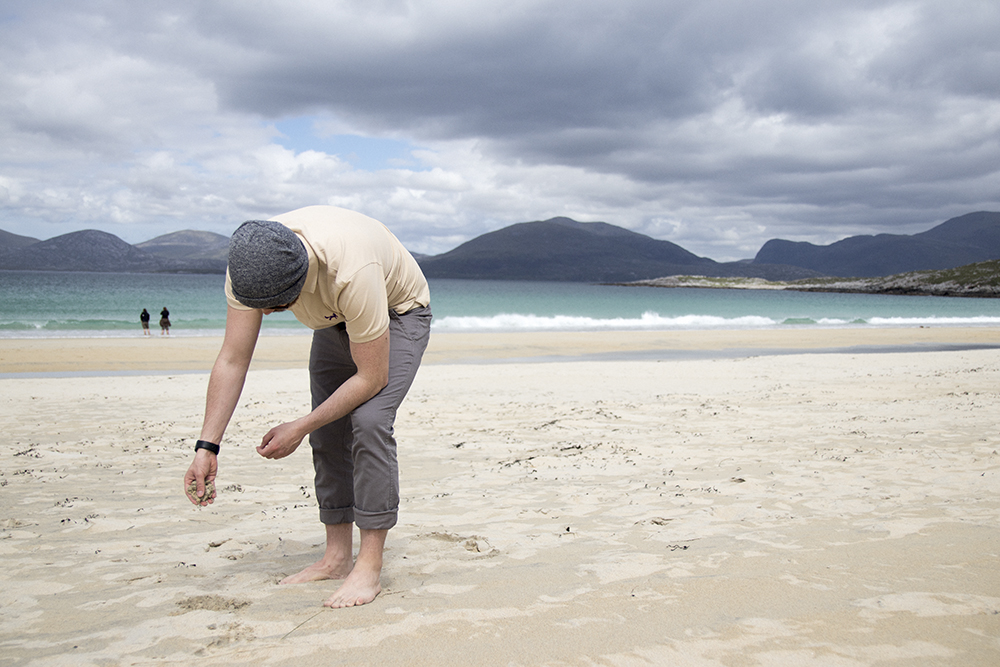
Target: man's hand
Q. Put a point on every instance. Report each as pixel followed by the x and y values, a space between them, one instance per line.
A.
pixel 372 361
pixel 281 440
pixel 201 475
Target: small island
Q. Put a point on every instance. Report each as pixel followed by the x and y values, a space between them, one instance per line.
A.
pixel 981 279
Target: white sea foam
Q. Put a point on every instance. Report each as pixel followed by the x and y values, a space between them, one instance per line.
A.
pixel 652 321
pixel 648 321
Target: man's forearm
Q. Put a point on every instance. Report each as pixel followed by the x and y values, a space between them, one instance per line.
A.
pixel 355 391
pixel 224 388
pixel 372 361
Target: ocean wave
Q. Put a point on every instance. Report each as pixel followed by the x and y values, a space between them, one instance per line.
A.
pixel 654 321
pixel 648 320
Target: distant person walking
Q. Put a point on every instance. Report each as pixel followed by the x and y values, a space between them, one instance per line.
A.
pixel 164 322
pixel 144 318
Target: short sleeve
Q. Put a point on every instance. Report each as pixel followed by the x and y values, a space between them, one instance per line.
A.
pixel 230 299
pixel 364 304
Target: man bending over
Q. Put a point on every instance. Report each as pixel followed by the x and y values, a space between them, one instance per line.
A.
pixel 345 276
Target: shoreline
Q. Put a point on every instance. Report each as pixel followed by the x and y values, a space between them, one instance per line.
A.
pixel 95 356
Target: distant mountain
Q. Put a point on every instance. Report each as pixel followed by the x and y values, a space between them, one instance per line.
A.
pixel 188 244
pixel 967 239
pixel 10 241
pixel 562 249
pixel 92 250
pixel 206 248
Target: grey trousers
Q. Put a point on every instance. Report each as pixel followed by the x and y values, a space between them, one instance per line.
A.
pixel 357 476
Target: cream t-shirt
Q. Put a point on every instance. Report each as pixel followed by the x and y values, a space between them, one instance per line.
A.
pixel 358 271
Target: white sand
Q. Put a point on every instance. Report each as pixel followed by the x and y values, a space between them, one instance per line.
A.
pixel 820 509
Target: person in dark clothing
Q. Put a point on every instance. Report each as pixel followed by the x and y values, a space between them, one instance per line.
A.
pixel 144 319
pixel 164 322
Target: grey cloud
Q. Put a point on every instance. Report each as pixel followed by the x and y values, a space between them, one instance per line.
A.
pixel 586 66
pixel 951 48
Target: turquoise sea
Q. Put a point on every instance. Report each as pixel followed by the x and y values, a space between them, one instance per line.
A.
pixel 63 304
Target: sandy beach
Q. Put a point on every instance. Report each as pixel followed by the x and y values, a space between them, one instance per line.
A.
pixel 720 498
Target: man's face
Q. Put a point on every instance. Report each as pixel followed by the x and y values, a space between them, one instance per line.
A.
pixel 279 309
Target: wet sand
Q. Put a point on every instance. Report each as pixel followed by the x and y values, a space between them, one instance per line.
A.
pixel 178 353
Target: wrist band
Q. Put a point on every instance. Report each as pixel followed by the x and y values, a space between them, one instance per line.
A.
pixel 205 444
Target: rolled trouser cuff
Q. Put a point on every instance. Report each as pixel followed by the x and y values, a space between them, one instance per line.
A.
pixel 333 517
pixel 375 520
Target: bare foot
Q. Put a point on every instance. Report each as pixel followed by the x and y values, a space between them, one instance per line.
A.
pixel 361 587
pixel 319 571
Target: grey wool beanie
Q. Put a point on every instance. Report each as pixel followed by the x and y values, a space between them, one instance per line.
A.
pixel 267 264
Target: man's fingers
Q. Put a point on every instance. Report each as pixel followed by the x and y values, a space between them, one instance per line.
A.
pixel 199 484
pixel 192 492
pixel 201 492
pixel 264 442
pixel 268 444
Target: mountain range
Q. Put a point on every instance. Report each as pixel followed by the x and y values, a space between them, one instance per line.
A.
pixel 557 249
pixel 93 250
pixel 565 250
pixel 967 239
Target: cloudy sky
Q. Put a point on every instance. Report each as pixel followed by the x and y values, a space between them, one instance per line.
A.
pixel 713 124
